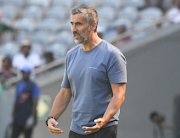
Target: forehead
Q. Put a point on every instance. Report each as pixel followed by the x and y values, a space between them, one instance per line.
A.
pixel 79 17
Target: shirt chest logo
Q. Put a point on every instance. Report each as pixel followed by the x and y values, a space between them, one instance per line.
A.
pixel 92 67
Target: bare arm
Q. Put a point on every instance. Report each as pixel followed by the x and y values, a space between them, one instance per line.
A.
pixel 60 104
pixel 33 111
pixel 114 105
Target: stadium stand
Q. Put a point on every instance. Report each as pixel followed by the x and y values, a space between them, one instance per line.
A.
pixel 47 23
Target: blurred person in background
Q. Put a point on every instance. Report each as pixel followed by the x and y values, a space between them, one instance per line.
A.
pixel 3 28
pixel 48 56
pixel 174 12
pixel 7 70
pixel 26 57
pixel 95 76
pixel 155 3
pixel 24 111
pixel 120 29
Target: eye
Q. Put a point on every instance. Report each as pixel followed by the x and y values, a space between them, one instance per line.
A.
pixel 79 24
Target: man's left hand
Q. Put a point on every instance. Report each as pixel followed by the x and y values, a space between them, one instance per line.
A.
pixel 99 123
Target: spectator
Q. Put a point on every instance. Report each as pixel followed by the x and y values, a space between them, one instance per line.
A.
pixel 155 3
pixel 7 70
pixel 174 12
pixel 26 57
pixel 24 111
pixel 3 28
pixel 120 29
pixel 48 57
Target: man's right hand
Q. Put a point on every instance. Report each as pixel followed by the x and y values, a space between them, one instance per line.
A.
pixel 52 126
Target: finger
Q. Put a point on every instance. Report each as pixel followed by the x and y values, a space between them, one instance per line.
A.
pixel 98 120
pixel 55 130
pixel 90 128
pixel 88 132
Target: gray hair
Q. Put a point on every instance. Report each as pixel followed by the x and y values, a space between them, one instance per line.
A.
pixel 90 13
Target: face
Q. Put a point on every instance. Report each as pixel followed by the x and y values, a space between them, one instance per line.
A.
pixel 79 28
pixel 120 30
pixel 25 75
pixel 26 49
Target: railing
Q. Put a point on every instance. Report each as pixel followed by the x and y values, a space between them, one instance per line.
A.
pixel 62 60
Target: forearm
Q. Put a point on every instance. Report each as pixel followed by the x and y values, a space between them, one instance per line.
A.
pixel 113 107
pixel 14 108
pixel 60 103
pixel 33 111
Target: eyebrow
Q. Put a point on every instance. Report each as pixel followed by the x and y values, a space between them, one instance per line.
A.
pixel 76 22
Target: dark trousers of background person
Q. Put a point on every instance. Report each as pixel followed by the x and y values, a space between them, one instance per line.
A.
pixel 108 132
pixel 17 130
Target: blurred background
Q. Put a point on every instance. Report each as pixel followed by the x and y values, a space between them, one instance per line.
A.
pixel 146 31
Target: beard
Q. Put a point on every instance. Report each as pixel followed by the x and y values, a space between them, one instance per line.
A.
pixel 83 37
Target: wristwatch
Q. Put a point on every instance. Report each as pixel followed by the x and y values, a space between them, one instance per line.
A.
pixel 49 117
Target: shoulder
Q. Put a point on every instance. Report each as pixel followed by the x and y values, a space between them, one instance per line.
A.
pixel 113 52
pixel 19 55
pixel 73 50
pixel 109 48
pixel 33 55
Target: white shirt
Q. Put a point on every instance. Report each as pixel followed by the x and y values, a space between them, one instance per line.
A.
pixel 19 61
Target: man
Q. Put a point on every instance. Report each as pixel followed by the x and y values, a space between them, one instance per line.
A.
pixel 95 76
pixel 24 111
pixel 26 57
pixel 7 71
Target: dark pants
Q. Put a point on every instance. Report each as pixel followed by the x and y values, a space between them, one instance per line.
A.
pixel 17 130
pixel 108 132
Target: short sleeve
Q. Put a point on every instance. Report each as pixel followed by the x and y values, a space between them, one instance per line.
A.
pixel 36 92
pixel 36 60
pixel 116 69
pixel 65 83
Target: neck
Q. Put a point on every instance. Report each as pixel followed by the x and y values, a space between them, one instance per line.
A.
pixel 26 79
pixel 92 42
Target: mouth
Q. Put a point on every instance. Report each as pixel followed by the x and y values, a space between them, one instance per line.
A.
pixel 76 36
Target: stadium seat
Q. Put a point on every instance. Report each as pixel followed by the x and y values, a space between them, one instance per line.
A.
pixel 18 3
pixel 64 37
pixel 66 25
pixel 7 48
pixel 22 35
pixel 151 13
pixel 130 13
pixel 140 25
pixel 56 12
pixel 49 24
pixel 25 24
pixel 9 11
pixel 103 22
pixel 31 12
pixel 42 37
pixel 58 49
pixel 38 48
pixel 125 22
pixel 42 3
pixel 113 3
pixel 6 20
pixel 91 3
pixel 64 3
pixel 134 3
pixel 106 13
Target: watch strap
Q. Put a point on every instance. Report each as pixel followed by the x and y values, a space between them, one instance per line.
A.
pixel 49 117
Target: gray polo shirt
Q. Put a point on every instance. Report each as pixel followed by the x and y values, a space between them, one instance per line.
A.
pixel 90 74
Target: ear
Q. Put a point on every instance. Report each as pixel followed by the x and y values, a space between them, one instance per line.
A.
pixel 93 26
